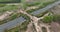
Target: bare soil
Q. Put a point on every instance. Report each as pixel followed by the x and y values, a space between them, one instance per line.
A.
pixel 55 27
pixel 56 9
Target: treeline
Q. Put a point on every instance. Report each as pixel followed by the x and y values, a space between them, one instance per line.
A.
pixel 9 1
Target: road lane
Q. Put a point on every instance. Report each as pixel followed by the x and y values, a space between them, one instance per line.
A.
pixel 46 8
pixel 16 22
pixel 12 24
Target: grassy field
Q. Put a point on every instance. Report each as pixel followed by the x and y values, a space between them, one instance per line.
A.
pixel 9 1
pixel 41 4
pixel 4 8
pixel 2 5
pixel 37 2
pixel 8 8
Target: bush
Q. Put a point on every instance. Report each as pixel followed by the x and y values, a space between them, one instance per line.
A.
pixel 48 19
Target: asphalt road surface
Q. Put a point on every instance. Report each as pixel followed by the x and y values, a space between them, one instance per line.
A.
pixel 19 20
pixel 46 8
pixel 11 24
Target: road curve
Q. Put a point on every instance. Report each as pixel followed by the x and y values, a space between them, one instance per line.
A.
pixel 45 8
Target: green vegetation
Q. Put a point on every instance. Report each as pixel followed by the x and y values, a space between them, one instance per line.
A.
pixel 9 1
pixel 11 17
pixel 39 3
pixel 4 8
pixel 56 18
pixel 9 8
pixel 23 26
pixel 41 14
pixel 25 16
pixel 2 5
pixel 29 11
pixel 11 30
pixel 32 4
pixel 48 19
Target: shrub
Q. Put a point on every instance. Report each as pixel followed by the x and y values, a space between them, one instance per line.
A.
pixel 48 19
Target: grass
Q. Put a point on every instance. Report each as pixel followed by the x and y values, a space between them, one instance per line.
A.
pixel 56 18
pixel 25 16
pixel 12 30
pixel 14 16
pixel 2 5
pixel 11 17
pixel 22 27
pixel 8 8
pixel 41 14
pixel 51 18
pixel 41 4
pixel 5 8
pixel 48 19
pixel 30 11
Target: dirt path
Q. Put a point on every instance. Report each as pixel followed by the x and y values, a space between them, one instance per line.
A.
pixel 34 20
pixel 5 15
